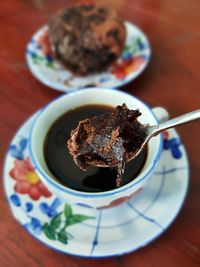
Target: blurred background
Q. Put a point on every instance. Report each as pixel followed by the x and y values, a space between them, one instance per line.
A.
pixel 171 80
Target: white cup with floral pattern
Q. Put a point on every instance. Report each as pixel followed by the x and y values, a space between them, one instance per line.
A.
pixel 93 96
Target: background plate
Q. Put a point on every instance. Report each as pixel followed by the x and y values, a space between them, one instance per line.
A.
pixel 49 71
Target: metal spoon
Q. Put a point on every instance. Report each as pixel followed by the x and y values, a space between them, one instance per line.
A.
pixel 156 129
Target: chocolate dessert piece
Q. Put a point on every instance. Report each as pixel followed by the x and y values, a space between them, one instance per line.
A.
pixel 87 38
pixel 109 139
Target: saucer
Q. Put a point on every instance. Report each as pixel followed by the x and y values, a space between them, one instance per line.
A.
pixel 50 71
pixel 81 231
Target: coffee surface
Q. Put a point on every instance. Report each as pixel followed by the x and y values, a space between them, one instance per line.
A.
pixel 61 163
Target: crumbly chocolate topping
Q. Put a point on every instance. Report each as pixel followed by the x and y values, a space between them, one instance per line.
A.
pixel 87 38
pixel 109 139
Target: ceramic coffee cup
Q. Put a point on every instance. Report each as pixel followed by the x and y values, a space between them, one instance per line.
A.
pixel 94 96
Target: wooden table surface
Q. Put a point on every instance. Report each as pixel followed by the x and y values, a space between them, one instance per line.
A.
pixel 171 80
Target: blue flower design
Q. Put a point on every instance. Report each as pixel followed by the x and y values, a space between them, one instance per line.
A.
pixel 37 46
pixel 32 41
pixel 17 151
pixel 49 58
pixel 141 44
pixel 31 53
pixel 104 78
pixel 50 210
pixel 34 226
pixel 127 55
pixel 15 200
pixel 28 206
pixel 173 144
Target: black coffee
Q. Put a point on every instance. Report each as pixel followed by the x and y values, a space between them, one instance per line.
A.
pixel 62 166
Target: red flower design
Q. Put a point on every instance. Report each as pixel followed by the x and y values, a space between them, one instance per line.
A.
pixel 27 181
pixel 127 66
pixel 45 44
pixel 165 135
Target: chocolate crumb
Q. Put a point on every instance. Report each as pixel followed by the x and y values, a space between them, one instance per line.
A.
pixel 110 139
pixel 87 39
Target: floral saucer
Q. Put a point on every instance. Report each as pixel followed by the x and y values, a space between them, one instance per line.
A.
pixel 48 70
pixel 86 232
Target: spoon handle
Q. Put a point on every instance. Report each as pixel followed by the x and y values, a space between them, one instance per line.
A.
pixel 188 117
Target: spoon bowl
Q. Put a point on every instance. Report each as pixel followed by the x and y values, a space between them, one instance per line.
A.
pixel 151 131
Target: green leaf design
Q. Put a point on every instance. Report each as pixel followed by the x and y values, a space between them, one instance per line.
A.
pixel 62 237
pixel 80 218
pixel 50 65
pixel 56 221
pixel 67 211
pixel 49 231
pixel 35 61
pixel 77 218
pixel 126 48
pixel 138 41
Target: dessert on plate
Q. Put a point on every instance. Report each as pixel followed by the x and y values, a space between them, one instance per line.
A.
pixel 87 38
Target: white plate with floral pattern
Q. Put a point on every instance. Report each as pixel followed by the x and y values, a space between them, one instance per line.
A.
pixel 49 71
pixel 83 231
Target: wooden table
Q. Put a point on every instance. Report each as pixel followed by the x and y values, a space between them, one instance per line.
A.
pixel 171 80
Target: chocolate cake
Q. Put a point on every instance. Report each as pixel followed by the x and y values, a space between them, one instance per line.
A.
pixel 109 139
pixel 87 38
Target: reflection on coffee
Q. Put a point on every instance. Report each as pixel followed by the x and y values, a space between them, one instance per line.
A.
pixel 62 166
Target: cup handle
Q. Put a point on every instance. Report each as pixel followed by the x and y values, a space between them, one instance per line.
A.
pixel 161 114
